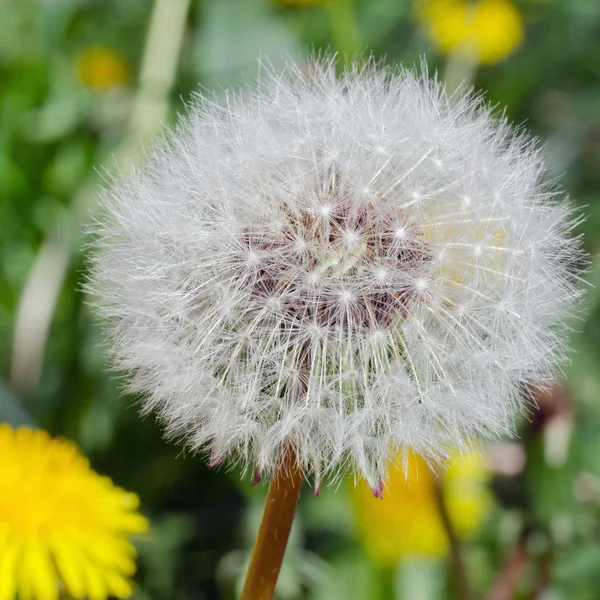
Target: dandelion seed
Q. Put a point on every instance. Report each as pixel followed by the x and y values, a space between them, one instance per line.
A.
pixel 245 276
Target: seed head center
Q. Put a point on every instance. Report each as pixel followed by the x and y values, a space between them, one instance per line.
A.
pixel 335 265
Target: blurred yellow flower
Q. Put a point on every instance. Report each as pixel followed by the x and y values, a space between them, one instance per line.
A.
pixel 102 68
pixel 407 520
pixel 62 526
pixel 487 31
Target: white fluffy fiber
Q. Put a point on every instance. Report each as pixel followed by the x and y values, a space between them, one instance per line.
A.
pixel 349 264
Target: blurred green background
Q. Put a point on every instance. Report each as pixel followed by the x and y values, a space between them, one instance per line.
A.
pixel 84 83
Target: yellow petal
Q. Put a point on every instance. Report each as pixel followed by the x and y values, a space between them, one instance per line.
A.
pixel 108 551
pixel 115 555
pixel 118 585
pixel 8 570
pixel 38 575
pixel 68 561
pixel 96 587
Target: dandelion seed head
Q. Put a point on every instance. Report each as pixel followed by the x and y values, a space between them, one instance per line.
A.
pixel 354 264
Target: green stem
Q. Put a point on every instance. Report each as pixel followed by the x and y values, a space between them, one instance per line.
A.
pixel 459 570
pixel 386 589
pixel 460 72
pixel 344 27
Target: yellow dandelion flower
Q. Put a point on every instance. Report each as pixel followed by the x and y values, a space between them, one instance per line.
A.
pixel 102 68
pixel 63 527
pixel 487 31
pixel 407 520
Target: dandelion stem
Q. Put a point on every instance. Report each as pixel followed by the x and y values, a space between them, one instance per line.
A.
pixel 459 570
pixel 510 574
pixel 460 72
pixel 385 583
pixel 269 548
pixel 344 26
